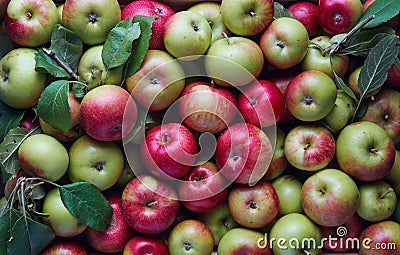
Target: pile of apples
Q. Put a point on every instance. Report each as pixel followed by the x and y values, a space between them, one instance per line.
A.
pixel 243 129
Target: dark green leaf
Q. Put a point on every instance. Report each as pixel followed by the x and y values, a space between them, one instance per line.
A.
pixel 79 90
pixel 67 46
pixel 45 64
pixel 9 118
pixel 7 220
pixel 362 109
pixel 341 84
pixel 280 11
pixel 118 46
pixel 141 45
pixel 87 203
pixel 383 10
pixel 53 105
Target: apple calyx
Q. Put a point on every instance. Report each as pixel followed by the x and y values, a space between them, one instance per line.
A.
pixel 253 204
pixel 187 245
pixel 373 150
pixel 280 44
pixel 92 18
pixel 4 76
pixel 338 17
pixel 196 27
pixel 252 13
pixel 165 138
pixel 308 100
pixel 387 192
pixel 99 165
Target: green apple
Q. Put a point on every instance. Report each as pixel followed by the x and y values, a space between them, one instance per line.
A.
pixel 279 162
pixel 98 162
pixel 91 68
pixel 91 21
pixel 352 83
pixel 341 112
pixel 60 9
pixel 284 43
pixel 43 155
pixel 243 241
pixel 63 223
pixel 393 177
pixel 20 84
pixel 288 188
pixel 187 33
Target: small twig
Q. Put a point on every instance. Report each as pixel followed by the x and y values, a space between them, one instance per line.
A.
pixel 54 56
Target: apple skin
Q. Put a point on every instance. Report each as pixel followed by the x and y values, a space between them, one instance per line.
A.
pixel 62 247
pixel 20 84
pixel 352 83
pixel 108 112
pixel 30 23
pixel 279 162
pixel 89 20
pixel 309 147
pixel 306 13
pixel 330 197
pixel 143 245
pixel 311 95
pixel 377 201
pixel 94 161
pixel 62 222
pixel 372 151
pixel 338 16
pixel 118 232
pixel 191 237
pixel 43 155
pixel 342 111
pixel 261 103
pixel 384 110
pixel 284 43
pixel 150 8
pixel 243 153
pixel 149 205
pixel 246 17
pixel 169 150
pixel 204 108
pixel 393 177
pixel 393 78
pixel 384 233
pixel 288 189
pixel 242 241
pixel 253 206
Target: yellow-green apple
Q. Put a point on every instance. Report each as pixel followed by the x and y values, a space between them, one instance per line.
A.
pixel 279 162
pixel 145 245
pixel 91 68
pixel 205 108
pixel 108 113
pixel 311 95
pixel 212 12
pixel 284 42
pixel 261 103
pixel 162 12
pixel 247 17
pixel 242 240
pixel 295 226
pixel 90 20
pixel 219 220
pixel 20 84
pixel 341 112
pixel 169 150
pixel 288 189
pixel 352 83
pixel 118 232
pixel 253 206
pixel 61 221
pixel 149 205
pixel 43 155
pixel 318 59
pixel 59 9
pixel 365 151
pixel 306 13
pixel 380 238
pixel 29 23
pixel 384 109
pixel 60 247
pixel 190 237
pixel 338 16
pixel 94 161
pixel 203 188
pixel 187 34
pixel 330 197
pixel 234 61
pixel 243 153
pixel 377 201
pixel 158 82
pixel 75 130
pixel 309 147
pixel 393 177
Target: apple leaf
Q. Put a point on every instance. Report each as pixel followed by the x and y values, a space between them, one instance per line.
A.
pixel 118 46
pixel 46 64
pixel 383 10
pixel 280 11
pixel 7 220
pixel 141 45
pixel 79 89
pixel 9 118
pixel 53 105
pixel 87 203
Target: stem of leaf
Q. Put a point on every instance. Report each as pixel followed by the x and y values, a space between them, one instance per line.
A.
pixel 54 56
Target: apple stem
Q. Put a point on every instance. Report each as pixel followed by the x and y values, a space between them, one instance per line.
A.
pixel 382 196
pixel 152 204
pixel 226 37
pixel 54 56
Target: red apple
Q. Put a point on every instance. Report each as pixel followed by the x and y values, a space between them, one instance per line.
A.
pixel 146 245
pixel 27 120
pixel 381 238
pixel 393 78
pixel 306 13
pixel 63 247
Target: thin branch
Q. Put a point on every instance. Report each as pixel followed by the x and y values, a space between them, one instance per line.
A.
pixel 54 56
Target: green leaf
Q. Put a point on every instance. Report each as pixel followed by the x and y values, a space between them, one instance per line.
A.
pixel 79 89
pixel 9 118
pixel 45 64
pixel 118 46
pixel 53 105
pixel 341 84
pixel 383 10
pixel 141 45
pixel 87 203
pixel 280 11
pixel 7 220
